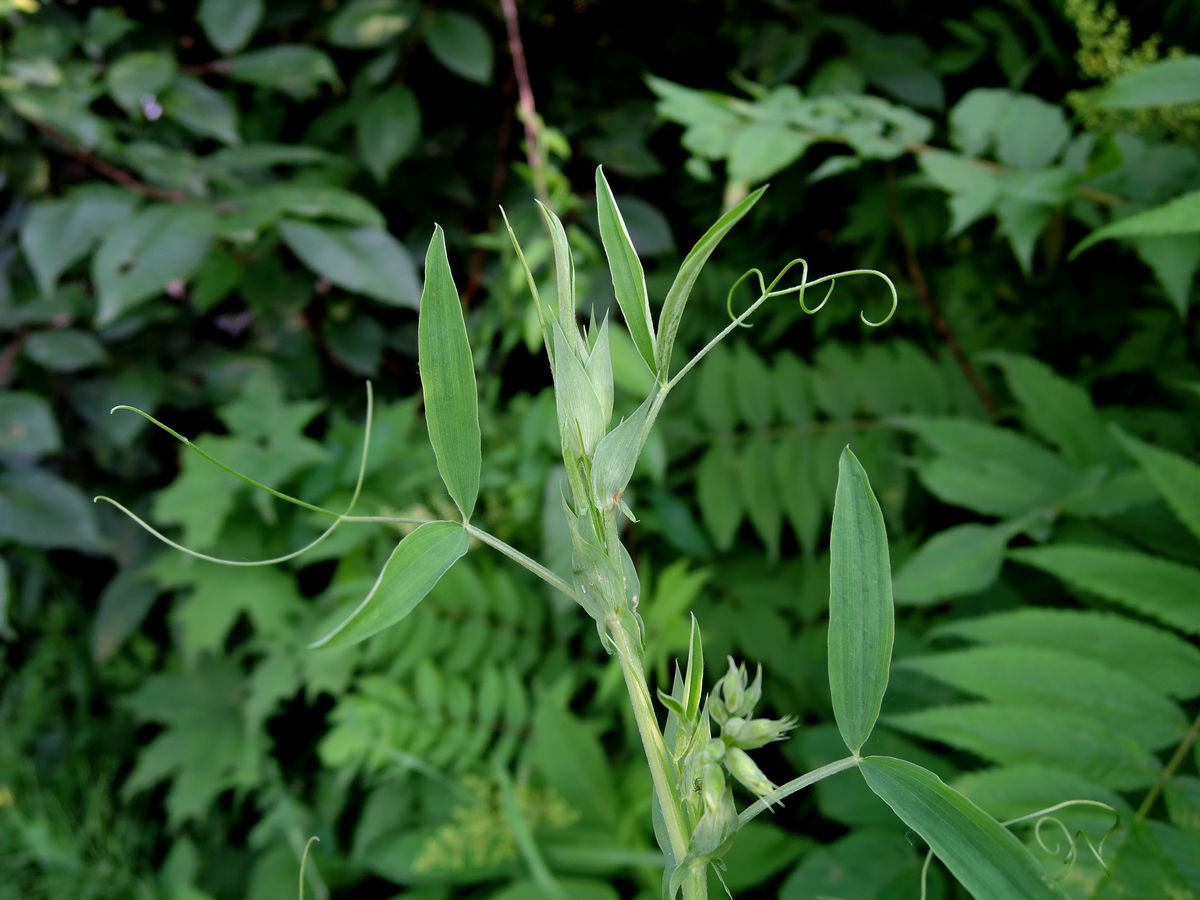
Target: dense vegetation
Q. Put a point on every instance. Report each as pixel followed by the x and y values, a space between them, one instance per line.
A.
pixel 218 213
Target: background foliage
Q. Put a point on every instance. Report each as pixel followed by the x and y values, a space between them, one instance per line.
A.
pixel 215 212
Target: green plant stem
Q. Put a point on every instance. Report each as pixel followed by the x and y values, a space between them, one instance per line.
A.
pixel 522 560
pixel 796 784
pixel 652 739
pixel 1173 763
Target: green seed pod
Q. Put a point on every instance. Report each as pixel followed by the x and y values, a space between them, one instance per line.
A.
pixel 748 774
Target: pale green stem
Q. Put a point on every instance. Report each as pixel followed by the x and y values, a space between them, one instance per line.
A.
pixel 652 739
pixel 796 784
pixel 1174 763
pixel 522 560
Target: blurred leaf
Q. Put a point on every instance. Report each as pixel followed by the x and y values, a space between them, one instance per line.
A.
pixel 371 23
pixel 1174 259
pixel 1176 478
pixel 296 70
pixel 448 380
pixel 138 75
pixel 956 562
pixel 1160 588
pixel 985 858
pixel 68 350
pixel 229 24
pixel 38 509
pixel 123 606
pixel 861 618
pixel 1178 216
pixel 27 426
pixel 759 151
pixel 718 494
pixel 460 44
pixel 1166 82
pixel 1030 133
pixel 201 110
pixel 362 260
pixel 411 572
pixel 145 254
pixel 387 130
pixel 567 754
pixel 57 234
pixel 6 629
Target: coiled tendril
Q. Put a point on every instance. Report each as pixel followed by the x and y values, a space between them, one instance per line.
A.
pixel 767 291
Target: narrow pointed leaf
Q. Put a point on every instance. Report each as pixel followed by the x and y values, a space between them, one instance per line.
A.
pixel 448 380
pixel 1176 477
pixel 985 857
pixel 689 271
pixel 693 679
pixel 861 619
pixel 415 566
pixel 564 274
pixel 629 281
pixel 617 454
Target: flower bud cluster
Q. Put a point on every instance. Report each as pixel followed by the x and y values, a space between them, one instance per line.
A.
pixel 731 705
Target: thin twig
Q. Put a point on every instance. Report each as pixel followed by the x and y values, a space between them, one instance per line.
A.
pixel 113 173
pixel 921 288
pixel 533 146
pixel 1174 763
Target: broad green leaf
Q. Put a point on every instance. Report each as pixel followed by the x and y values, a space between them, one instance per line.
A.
pixel 758 485
pixel 1030 133
pixel 27 426
pixel 448 380
pixel 68 350
pixel 617 455
pixel 1154 656
pixel 986 858
pixel 1041 677
pixel 387 130
pixel 39 509
pixel 60 109
pixel 628 278
pixel 1008 792
pixel 718 494
pixel 1144 868
pixel 362 260
pixel 956 562
pixel 1167 82
pixel 137 75
pixel 294 69
pixel 1176 478
pixel 1182 794
pixel 1059 738
pixel 202 110
pixel 689 271
pixel 141 257
pixel 372 23
pixel 1178 216
pixel 1058 410
pixel 460 44
pixel 864 865
pixel 411 572
pixel 861 620
pixel 1156 587
pixel 760 150
pixel 58 234
pixel 229 24
pixel 753 387
pixel 974 118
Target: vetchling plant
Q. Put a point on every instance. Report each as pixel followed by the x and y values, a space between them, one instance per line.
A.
pixel 709 734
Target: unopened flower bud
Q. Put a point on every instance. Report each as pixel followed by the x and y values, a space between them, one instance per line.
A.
pixel 716 709
pixel 757 732
pixel 747 772
pixel 712 784
pixel 733 687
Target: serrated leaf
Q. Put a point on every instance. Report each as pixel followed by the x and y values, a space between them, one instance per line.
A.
pixel 958 561
pixel 628 278
pixel 1156 587
pixel 1152 655
pixel 1040 677
pixel 1176 478
pixel 229 24
pixel 411 572
pixel 987 859
pixel 363 260
pixel 448 380
pixel 861 619
pixel 1050 737
pixel 460 44
pixel 689 271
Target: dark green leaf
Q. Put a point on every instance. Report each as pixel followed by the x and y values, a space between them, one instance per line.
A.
pixel 956 562
pixel 201 110
pixel 1167 82
pixel 27 426
pixel 387 130
pixel 460 44
pixel 362 260
pixel 296 70
pixel 138 75
pixel 68 350
pixel 861 620
pixel 57 234
pixel 448 380
pixel 229 24
pixel 371 23
pixel 411 572
pixel 38 509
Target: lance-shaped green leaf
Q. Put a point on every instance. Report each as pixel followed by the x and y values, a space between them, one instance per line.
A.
pixel 415 566
pixel 600 370
pixel 629 281
pixel 617 454
pixel 448 380
pixel 581 419
pixel 982 854
pixel 689 271
pixel 861 620
pixel 693 679
pixel 1176 477
pixel 564 277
